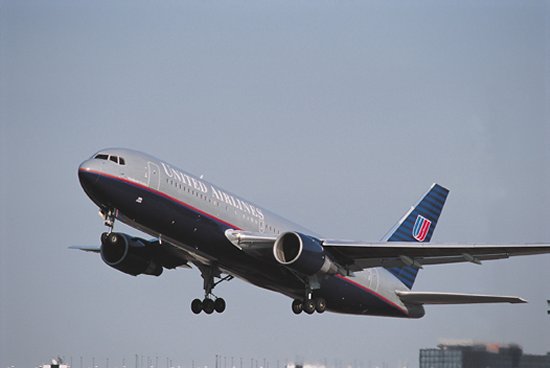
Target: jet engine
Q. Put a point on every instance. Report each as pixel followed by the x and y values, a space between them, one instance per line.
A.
pixel 302 253
pixel 130 255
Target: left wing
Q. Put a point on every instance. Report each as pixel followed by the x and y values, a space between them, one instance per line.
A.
pixel 128 253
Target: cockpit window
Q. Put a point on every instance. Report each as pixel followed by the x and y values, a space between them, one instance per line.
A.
pixel 115 159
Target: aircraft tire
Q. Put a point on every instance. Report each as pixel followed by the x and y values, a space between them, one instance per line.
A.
pixel 196 306
pixel 208 306
pixel 308 306
pixel 297 306
pixel 320 305
pixel 219 305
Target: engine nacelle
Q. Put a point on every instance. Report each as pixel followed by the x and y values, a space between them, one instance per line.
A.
pixel 302 253
pixel 128 254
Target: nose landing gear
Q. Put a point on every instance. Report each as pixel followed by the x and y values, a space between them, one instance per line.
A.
pixel 109 218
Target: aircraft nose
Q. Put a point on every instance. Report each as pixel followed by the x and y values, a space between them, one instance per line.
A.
pixel 87 176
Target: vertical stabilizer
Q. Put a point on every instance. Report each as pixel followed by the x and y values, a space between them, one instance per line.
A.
pixel 417 225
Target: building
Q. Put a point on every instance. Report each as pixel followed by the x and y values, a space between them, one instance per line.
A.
pixel 471 354
pixel 56 363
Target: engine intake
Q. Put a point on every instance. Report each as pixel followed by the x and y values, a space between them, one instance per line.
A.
pixel 128 254
pixel 302 253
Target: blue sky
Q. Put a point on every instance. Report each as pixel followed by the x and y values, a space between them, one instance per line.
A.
pixel 337 115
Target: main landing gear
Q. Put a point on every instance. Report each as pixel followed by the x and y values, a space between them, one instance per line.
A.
pixel 309 305
pixel 210 303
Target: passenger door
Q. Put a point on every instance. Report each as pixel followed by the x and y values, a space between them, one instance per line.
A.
pixel 153 179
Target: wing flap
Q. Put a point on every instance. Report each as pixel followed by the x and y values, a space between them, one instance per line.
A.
pixel 414 297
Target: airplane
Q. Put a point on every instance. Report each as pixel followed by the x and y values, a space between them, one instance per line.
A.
pixel 194 222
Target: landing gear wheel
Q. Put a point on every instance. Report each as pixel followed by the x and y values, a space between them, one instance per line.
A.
pixel 219 305
pixel 196 306
pixel 208 306
pixel 297 306
pixel 320 305
pixel 308 306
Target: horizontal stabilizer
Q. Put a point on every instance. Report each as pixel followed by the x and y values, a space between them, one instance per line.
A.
pixel 413 297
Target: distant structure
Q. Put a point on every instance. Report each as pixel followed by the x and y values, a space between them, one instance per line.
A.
pixel 56 363
pixel 472 354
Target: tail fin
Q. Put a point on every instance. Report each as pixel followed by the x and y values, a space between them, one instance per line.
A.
pixel 417 225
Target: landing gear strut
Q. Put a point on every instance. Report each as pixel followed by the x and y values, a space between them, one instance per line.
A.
pixel 210 303
pixel 109 218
